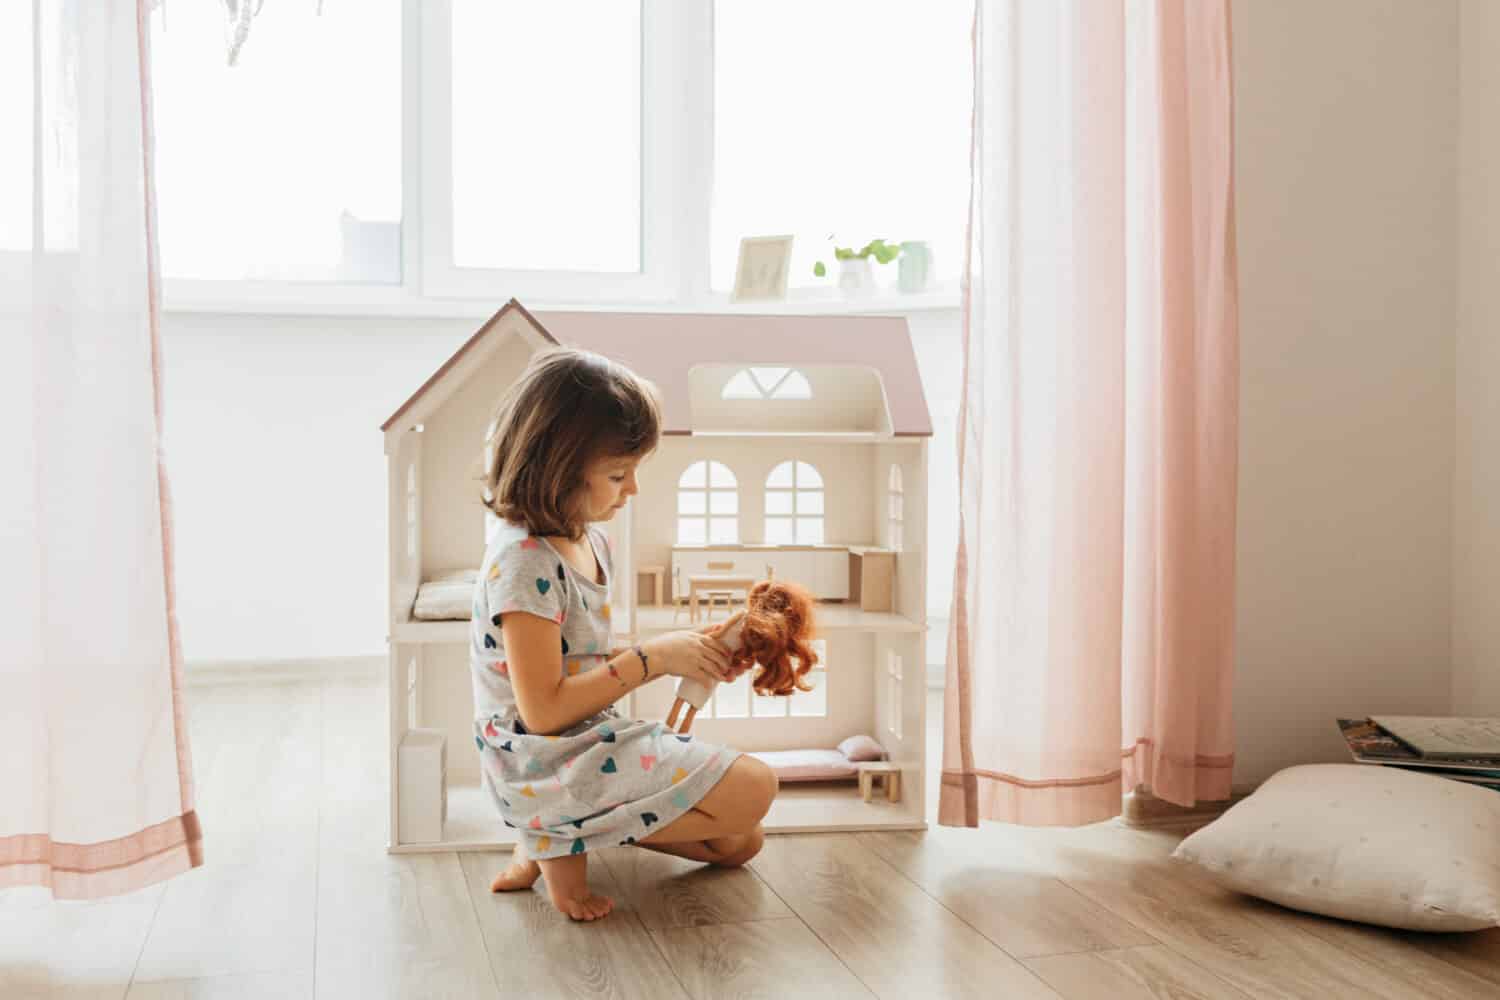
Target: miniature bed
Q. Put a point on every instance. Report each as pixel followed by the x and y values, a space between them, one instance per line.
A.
pixel 794 446
pixel 839 764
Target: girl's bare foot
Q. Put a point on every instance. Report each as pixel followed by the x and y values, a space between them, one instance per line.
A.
pixel 568 885
pixel 521 874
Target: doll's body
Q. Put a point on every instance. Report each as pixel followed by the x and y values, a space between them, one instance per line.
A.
pixel 771 634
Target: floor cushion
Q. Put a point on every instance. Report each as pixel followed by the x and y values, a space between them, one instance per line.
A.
pixel 1362 842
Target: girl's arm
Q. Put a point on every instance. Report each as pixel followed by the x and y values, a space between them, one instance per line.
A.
pixel 710 627
pixel 734 672
pixel 550 702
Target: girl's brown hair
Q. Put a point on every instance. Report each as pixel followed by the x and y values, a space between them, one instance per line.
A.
pixel 568 408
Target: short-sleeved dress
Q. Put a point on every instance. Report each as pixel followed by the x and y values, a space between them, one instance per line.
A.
pixel 604 782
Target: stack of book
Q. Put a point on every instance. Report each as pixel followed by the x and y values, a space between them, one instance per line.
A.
pixel 1461 749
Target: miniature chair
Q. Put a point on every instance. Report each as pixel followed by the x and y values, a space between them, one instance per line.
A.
pixel 719 593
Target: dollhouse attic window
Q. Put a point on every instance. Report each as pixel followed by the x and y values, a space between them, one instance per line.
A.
pixel 767 383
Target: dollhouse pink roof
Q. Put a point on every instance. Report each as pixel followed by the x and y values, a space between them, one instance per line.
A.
pixel 665 347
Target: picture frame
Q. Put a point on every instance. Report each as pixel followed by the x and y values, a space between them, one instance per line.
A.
pixel 764 264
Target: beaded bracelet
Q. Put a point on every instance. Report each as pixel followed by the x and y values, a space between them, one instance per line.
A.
pixel 645 668
pixel 614 673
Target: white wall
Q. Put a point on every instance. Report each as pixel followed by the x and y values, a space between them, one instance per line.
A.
pixel 1347 165
pixel 275 459
pixel 1476 494
pixel 1346 153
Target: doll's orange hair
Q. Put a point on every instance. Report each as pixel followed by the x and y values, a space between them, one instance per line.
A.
pixel 778 625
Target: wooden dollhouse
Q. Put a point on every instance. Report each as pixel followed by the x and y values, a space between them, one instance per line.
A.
pixel 792 445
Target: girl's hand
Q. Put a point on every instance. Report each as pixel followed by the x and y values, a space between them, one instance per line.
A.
pixel 717 629
pixel 688 654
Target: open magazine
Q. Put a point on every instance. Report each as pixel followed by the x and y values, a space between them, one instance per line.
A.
pixel 1445 737
pixel 1369 744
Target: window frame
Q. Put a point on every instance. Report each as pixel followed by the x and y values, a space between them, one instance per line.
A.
pixel 796 491
pixel 707 490
pixel 668 72
pixel 791 378
pixel 677 64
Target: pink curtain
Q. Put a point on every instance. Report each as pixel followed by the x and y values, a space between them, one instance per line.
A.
pixel 96 791
pixel 1091 642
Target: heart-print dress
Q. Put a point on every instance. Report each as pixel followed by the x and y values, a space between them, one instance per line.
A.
pixel 607 781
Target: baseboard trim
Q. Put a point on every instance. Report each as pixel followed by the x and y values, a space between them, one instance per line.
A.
pixel 1145 811
pixel 206 672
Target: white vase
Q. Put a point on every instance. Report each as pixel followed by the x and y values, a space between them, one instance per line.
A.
pixel 856 277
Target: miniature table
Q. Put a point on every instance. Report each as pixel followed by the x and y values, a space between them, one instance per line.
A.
pixel 869 770
pixel 714 582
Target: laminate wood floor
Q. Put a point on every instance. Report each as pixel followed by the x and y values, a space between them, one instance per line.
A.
pixel 299 899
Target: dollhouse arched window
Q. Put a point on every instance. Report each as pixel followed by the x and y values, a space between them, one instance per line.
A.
pixel 708 505
pixel 895 513
pixel 767 383
pixel 794 505
pixel 738 700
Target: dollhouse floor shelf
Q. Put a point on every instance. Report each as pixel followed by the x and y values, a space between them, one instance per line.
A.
pixel 654 620
pixel 831 618
pixel 472 824
pixel 836 806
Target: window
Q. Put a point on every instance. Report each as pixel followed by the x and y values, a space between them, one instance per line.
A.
pixel 893 699
pixel 395 151
pixel 16 125
pixel 814 703
pixel 794 505
pixel 553 144
pixel 530 117
pixel 895 514
pixel 862 129
pixel 739 700
pixel 285 166
pixel 708 505
pixel 767 383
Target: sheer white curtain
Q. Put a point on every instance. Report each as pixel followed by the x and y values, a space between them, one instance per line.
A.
pixel 1091 646
pixel 96 791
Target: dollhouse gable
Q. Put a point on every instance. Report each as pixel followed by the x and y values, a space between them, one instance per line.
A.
pixel 830 374
pixel 512 335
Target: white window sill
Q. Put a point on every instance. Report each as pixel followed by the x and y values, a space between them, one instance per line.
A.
pixel 252 299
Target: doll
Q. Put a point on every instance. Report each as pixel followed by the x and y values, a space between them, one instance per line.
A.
pixel 772 633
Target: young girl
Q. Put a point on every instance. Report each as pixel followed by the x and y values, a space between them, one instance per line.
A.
pixel 561 764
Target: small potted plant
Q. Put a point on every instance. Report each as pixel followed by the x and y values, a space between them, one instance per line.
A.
pixel 856 273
